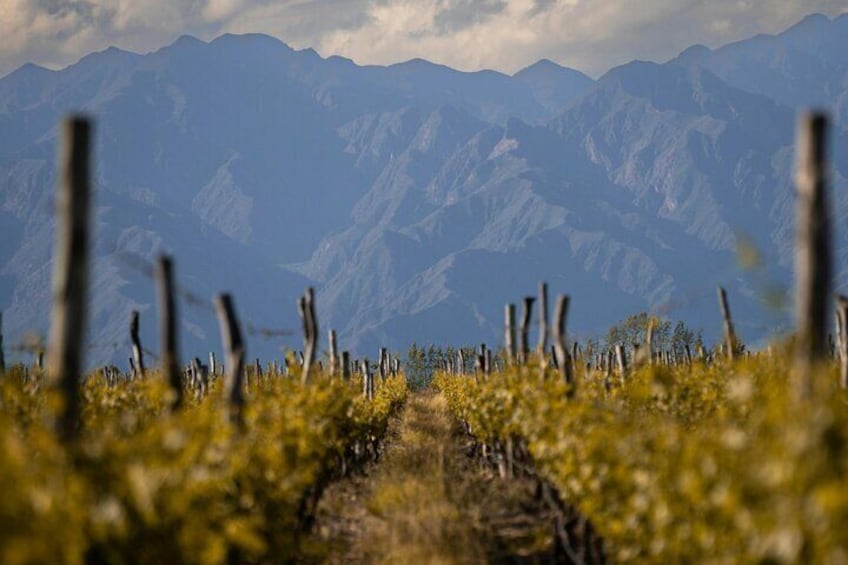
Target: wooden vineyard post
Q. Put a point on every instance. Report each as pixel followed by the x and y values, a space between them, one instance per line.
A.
pixel 257 369
pixel 70 273
pixel 509 333
pixel 842 343
pixel 306 306
pixel 334 360
pixel 367 380
pixel 486 359
pixel 649 341
pixel 346 365
pixel 575 350
pixel 813 268
pixel 729 334
pixel 525 329
pixel 560 349
pixel 137 354
pixel 2 356
pixel 168 328
pixel 384 362
pixel 621 360
pixel 542 345
pixel 234 352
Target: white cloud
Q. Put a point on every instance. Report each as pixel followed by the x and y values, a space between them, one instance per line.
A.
pixel 591 35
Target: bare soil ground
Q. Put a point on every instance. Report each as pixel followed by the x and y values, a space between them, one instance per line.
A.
pixel 428 501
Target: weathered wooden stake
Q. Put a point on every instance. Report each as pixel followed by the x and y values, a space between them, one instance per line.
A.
pixel 729 334
pixel 346 365
pixel 2 356
pixel 649 341
pixel 525 329
pixel 842 344
pixel 384 362
pixel 306 306
pixel 168 328
pixel 138 356
pixel 234 352
pixel 542 344
pixel 509 332
pixel 212 365
pixel 70 273
pixel 813 262
pixel 334 360
pixel 621 360
pixel 559 339
pixel 367 380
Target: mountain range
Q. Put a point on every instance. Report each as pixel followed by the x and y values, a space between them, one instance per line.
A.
pixel 418 199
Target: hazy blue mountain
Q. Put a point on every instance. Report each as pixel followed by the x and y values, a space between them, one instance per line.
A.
pixel 416 198
pixel 805 66
pixel 555 87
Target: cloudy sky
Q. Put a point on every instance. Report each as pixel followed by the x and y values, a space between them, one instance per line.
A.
pixel 591 35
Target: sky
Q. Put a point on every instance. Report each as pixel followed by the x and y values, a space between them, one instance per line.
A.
pixel 505 35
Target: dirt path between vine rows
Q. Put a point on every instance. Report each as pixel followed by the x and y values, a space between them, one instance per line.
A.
pixel 427 501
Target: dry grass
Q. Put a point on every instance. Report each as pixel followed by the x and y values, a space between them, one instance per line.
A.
pixel 427 502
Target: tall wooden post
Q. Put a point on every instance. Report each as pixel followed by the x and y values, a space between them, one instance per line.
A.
pixel 346 365
pixel 542 344
pixel 70 272
pixel 334 356
pixel 560 349
pixel 384 361
pixel 621 359
pixel 367 380
pixel 509 332
pixel 813 262
pixel 525 328
pixel 729 333
pixel 842 343
pixel 138 356
pixel 168 328
pixel 234 352
pixel 306 306
pixel 2 356
pixel 257 369
pixel 649 341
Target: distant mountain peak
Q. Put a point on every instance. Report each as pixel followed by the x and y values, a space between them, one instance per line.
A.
pixel 418 63
pixel 187 39
pixel 694 53
pixel 812 19
pixel 540 65
pixel 545 67
pixel 269 40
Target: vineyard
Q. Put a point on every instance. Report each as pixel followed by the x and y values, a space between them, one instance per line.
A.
pixel 698 463
pixel 143 486
pixel 646 448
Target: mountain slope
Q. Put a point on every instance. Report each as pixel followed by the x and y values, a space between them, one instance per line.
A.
pixel 417 199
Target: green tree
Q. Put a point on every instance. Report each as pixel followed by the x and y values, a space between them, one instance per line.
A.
pixel 634 329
